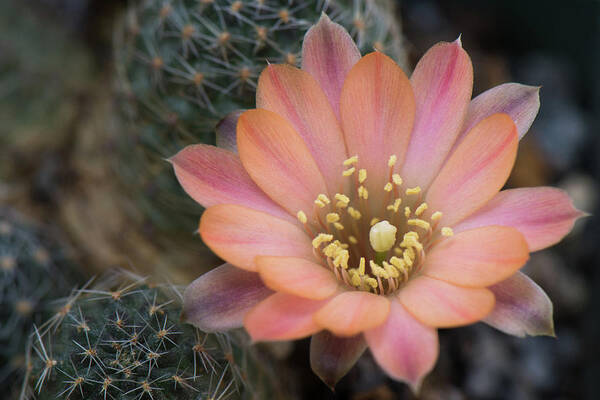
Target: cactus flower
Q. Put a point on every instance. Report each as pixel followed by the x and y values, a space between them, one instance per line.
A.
pixel 363 208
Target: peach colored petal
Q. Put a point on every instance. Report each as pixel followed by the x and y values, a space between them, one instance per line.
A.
pixel 295 95
pixel 331 357
pixel 377 109
pixel 219 299
pixel 328 54
pixel 212 176
pixel 225 131
pixel 442 83
pixel 442 305
pixel 520 102
pixel 406 349
pixel 476 171
pixel 239 234
pixel 544 215
pixel 350 313
pixel 297 276
pixel 478 257
pixel 282 317
pixel 522 308
pixel 278 160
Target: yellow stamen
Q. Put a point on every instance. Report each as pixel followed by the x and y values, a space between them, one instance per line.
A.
pixel 352 240
pixel 323 198
pixel 332 217
pixel 319 203
pixel 407 212
pixel 362 175
pixel 361 266
pixel 355 280
pixel 320 239
pixel 374 221
pixel 343 200
pixel 338 226
pixel 302 217
pixel 354 213
pixel 341 260
pixel 351 160
pixel 388 187
pixel 436 216
pixel 396 179
pixel 392 160
pixel 371 282
pixel 363 192
pixel 398 251
pixel 415 190
pixel 394 207
pixel 446 231
pixel 348 171
pixel 391 271
pixel 378 271
pixel 418 222
pixel 399 263
pixel 421 209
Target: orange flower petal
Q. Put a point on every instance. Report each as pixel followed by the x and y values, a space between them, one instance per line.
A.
pixel 278 160
pixel 405 348
pixel 295 95
pixel 476 171
pixel 442 83
pixel 239 234
pixel 212 176
pixel 477 257
pixel 297 276
pixel 442 305
pixel 350 313
pixel 377 110
pixel 544 215
pixel 282 317
pixel 328 54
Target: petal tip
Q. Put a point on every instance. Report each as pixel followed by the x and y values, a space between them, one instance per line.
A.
pixel 458 41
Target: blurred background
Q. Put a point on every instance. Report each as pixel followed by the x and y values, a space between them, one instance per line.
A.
pixel 94 94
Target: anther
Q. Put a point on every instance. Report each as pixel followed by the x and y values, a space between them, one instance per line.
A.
pixel 371 282
pixel 415 190
pixel 332 217
pixel 436 216
pixel 363 192
pixel 320 239
pixel 407 212
pixel 319 203
pixel 302 217
pixel 388 187
pixel 362 175
pixel 392 160
pixel 396 179
pixel 349 171
pixel 350 161
pixel 338 226
pixel 361 266
pixel 394 207
pixel 446 231
pixel 323 198
pixel 418 222
pixel 355 214
pixel 352 240
pixel 421 209
pixel 343 200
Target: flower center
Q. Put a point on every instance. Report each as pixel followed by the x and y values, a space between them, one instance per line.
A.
pixel 368 240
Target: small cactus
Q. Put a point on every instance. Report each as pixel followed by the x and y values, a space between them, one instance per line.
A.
pixel 118 340
pixel 184 64
pixel 34 271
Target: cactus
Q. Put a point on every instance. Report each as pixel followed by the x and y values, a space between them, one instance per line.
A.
pixel 122 339
pixel 184 64
pixel 34 270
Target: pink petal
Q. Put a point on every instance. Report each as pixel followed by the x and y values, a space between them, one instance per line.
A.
pixel 239 234
pixel 520 102
pixel 226 131
pixel 350 313
pixel 212 176
pixel 219 299
pixel 522 308
pixel 331 357
pixel 377 109
pixel 278 160
pixel 282 317
pixel 406 349
pixel 543 215
pixel 442 305
pixel 328 54
pixel 297 276
pixel 476 171
pixel 295 95
pixel 477 257
pixel 442 83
